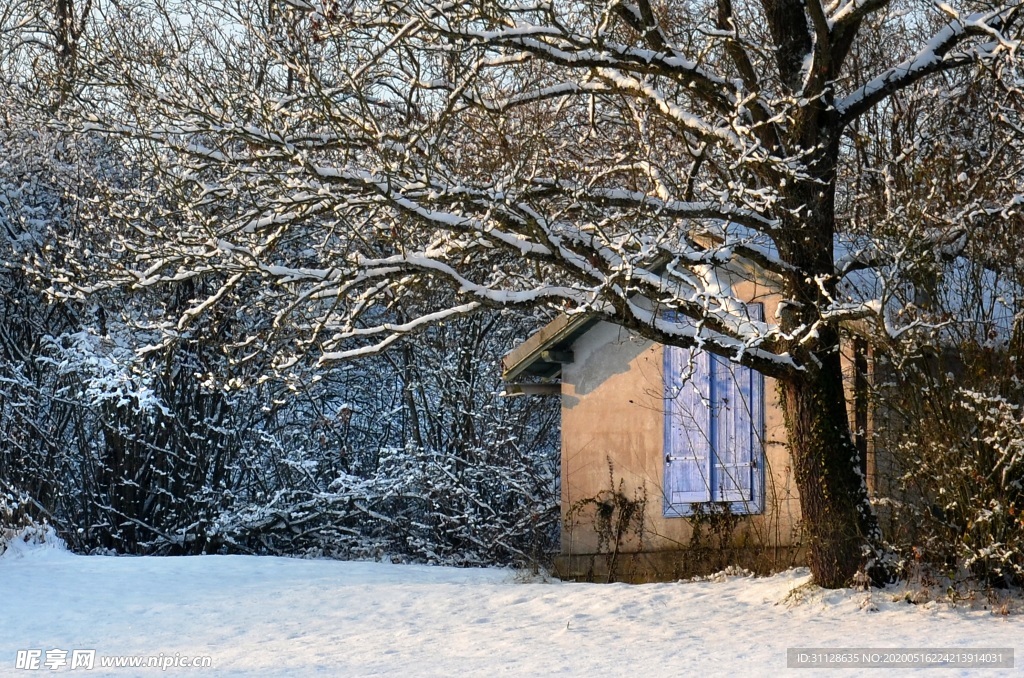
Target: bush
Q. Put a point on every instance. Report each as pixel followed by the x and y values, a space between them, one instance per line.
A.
pixel 18 531
pixel 419 505
pixel 958 459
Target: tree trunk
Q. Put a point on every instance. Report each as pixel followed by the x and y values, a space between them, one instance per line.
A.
pixel 840 525
pixel 838 519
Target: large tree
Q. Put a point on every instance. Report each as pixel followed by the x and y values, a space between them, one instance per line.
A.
pixel 601 157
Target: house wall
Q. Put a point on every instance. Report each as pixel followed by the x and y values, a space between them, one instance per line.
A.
pixel 613 459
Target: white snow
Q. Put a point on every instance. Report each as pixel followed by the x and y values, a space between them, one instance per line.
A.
pixel 265 616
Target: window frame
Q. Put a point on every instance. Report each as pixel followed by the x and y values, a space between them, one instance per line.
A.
pixel 674 394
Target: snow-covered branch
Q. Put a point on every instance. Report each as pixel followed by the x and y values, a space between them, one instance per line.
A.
pixel 937 55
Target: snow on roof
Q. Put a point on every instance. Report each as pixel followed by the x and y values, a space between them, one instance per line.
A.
pixel 972 301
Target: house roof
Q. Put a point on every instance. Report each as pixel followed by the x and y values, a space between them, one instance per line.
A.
pixel 986 309
pixel 546 350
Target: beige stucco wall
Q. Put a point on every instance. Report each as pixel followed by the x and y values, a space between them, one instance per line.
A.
pixel 613 435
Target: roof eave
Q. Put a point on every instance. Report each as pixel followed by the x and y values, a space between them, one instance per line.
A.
pixel 546 350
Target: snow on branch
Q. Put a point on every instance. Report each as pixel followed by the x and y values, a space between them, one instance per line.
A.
pixel 936 56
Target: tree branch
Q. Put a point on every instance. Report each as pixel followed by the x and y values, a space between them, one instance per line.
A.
pixel 935 57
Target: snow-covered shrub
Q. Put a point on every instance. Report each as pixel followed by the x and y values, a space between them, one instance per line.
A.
pixel 106 372
pixel 12 517
pixel 410 455
pixel 958 480
pixel 130 431
pixel 31 538
pixel 419 505
pixel 18 531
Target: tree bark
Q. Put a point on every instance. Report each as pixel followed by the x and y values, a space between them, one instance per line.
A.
pixel 841 528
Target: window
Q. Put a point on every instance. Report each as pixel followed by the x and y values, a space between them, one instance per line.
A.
pixel 714 432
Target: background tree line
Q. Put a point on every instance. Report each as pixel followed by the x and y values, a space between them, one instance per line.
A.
pixel 128 440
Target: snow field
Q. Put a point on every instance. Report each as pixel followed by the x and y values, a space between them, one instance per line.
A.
pixel 268 616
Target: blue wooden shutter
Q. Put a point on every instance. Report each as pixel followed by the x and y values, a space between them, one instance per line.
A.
pixel 736 422
pixel 687 428
pixel 733 435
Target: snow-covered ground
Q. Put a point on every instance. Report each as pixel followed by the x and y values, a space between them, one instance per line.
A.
pixel 263 616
